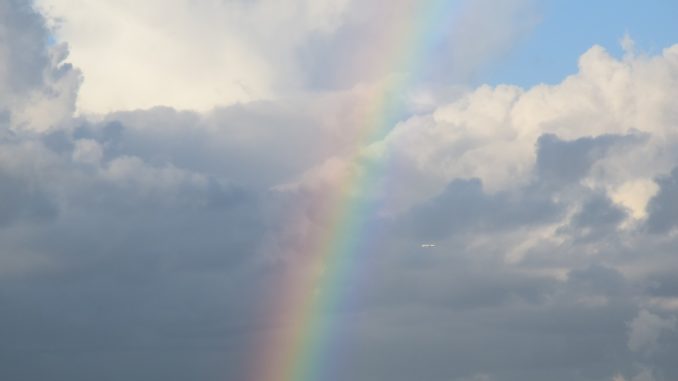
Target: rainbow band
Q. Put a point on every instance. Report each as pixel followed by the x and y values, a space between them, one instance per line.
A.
pixel 301 351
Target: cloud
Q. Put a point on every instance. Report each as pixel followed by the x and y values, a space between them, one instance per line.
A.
pixel 644 375
pixel 185 54
pixel 151 244
pixel 37 90
pixel 490 133
pixel 645 330
pixel 227 52
pixel 662 212
pixel 22 199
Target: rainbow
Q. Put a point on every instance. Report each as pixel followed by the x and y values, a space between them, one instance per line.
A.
pixel 302 349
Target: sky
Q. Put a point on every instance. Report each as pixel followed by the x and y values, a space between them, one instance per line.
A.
pixel 304 190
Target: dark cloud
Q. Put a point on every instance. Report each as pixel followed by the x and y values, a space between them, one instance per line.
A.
pixel 22 199
pixel 663 208
pixel 561 162
pixel 464 206
pixel 23 39
pixel 599 211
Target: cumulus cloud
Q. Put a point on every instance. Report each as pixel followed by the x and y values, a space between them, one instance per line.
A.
pixel 151 244
pixel 214 52
pixel 226 52
pixel 37 90
pixel 491 132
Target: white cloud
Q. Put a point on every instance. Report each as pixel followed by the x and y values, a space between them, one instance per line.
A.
pixel 491 132
pixel 185 54
pixel 197 55
pixel 645 331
